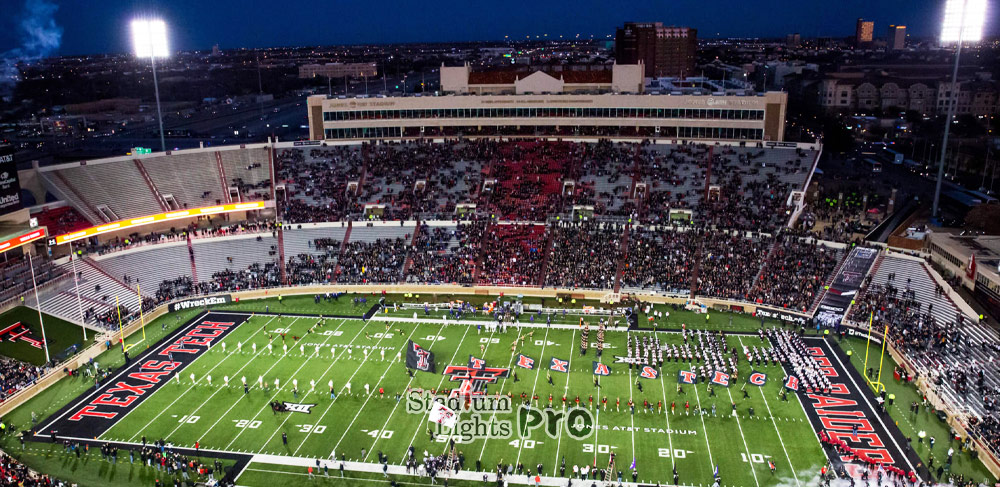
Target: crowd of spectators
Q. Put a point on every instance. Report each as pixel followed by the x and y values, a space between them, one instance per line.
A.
pixel 380 261
pixel 728 262
pixel 16 375
pixel 443 255
pixel 512 255
pixel 584 255
pixel 660 259
pixel 16 474
pixel 794 273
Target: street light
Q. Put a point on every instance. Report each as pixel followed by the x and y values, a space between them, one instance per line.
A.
pixel 963 22
pixel 149 39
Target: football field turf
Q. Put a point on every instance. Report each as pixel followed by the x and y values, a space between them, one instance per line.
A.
pixel 358 425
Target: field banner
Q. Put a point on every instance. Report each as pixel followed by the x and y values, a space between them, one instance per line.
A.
pixel 443 415
pixel 418 358
pixel 686 377
pixel 525 362
pixel 559 365
pixel 600 369
pixel 476 363
pixel 720 378
pixel 757 379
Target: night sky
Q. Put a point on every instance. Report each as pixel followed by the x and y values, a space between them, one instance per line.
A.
pixel 100 26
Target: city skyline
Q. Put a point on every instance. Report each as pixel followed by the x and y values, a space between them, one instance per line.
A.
pixel 231 24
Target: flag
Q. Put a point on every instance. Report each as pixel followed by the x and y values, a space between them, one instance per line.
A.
pixel 443 415
pixel 418 358
pixel 792 383
pixel 632 467
pixel 600 369
pixel 476 363
pixel 757 379
pixel 525 362
pixel 647 372
pixel 686 377
pixel 558 365
pixel 720 378
pixel 715 473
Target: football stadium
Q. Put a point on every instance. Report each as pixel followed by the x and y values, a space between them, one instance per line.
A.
pixel 621 294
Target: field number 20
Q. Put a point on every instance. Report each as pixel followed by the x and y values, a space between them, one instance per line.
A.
pixel 665 453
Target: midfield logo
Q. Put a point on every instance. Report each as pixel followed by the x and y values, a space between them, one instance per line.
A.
pixel 297 407
pixel 471 378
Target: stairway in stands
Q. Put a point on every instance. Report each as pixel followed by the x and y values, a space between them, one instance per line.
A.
pixel 222 177
pixel 98 290
pixel 543 269
pixel 194 270
pixel 160 200
pixel 343 247
pixel 622 257
pixel 829 282
pixel 408 261
pixel 482 252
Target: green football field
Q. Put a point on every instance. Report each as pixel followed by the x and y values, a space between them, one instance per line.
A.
pixel 357 425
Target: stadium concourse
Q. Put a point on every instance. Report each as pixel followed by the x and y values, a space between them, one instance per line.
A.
pixel 702 222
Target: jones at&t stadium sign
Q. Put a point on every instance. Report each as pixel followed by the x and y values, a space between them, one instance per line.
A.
pixel 201 302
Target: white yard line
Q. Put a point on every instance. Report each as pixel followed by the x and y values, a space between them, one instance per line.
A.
pixel 745 446
pixel 631 409
pixel 182 394
pixel 569 369
pixel 245 364
pixel 780 440
pixel 666 415
pixel 451 434
pixel 233 405
pixel 313 428
pixel 697 397
pixel 394 408
pixel 277 390
pixel 455 354
pixel 348 428
pixel 503 383
pixel 534 386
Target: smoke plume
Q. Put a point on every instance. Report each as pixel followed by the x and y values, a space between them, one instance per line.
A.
pixel 40 37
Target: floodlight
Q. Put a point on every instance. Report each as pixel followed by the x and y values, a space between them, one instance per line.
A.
pixel 149 38
pixel 963 21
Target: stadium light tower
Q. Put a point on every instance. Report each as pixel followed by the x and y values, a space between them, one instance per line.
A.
pixel 963 22
pixel 149 39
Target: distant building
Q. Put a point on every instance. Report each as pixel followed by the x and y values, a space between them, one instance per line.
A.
pixel 929 96
pixel 619 79
pixel 338 70
pixel 896 37
pixel 215 50
pixel 793 40
pixel 665 51
pixel 864 32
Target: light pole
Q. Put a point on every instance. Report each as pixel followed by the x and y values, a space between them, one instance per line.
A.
pixel 149 39
pixel 963 22
pixel 41 322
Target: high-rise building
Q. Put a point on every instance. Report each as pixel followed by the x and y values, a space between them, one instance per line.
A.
pixel 665 51
pixel 793 40
pixel 896 38
pixel 864 32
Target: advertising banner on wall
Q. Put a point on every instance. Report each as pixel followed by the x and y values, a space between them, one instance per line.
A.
pixel 10 188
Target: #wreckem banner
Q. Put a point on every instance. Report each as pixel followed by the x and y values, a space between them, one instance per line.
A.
pixel 418 358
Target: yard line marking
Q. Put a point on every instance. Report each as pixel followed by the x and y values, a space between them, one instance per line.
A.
pixel 504 382
pixel 666 415
pixel 459 347
pixel 393 412
pixel 348 428
pixel 534 386
pixel 485 350
pixel 565 391
pixel 745 446
pixel 697 397
pixel 239 398
pixel 217 421
pixel 780 440
pixel 189 389
pixel 632 408
pixel 278 389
